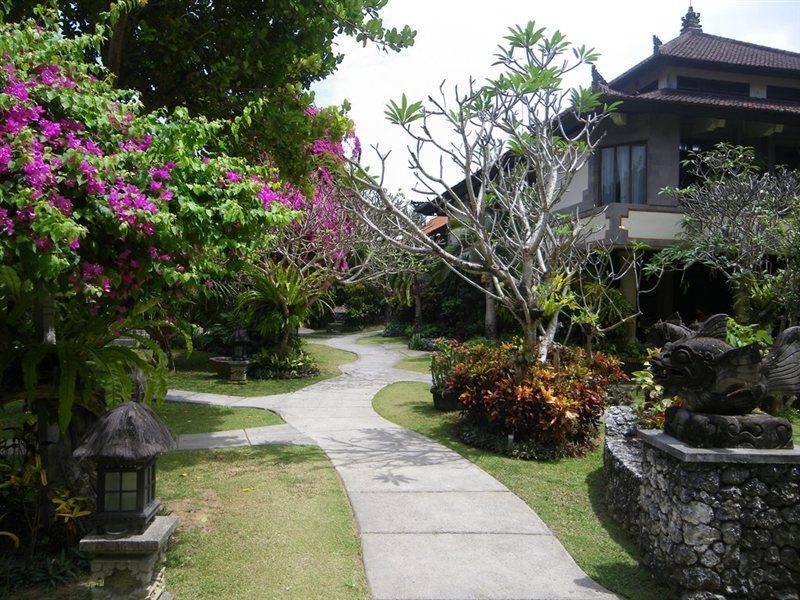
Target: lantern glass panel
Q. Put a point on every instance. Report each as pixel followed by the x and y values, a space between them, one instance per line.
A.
pixel 128 501
pixel 112 481
pixel 111 501
pixel 129 481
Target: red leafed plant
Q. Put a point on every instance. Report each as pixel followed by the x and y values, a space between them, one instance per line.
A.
pixel 555 405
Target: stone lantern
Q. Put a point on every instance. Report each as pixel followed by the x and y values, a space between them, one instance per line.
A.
pixel 240 340
pixel 124 444
pixel 127 552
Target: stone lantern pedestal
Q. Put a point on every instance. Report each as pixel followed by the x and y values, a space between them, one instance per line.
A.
pixel 719 524
pixel 130 567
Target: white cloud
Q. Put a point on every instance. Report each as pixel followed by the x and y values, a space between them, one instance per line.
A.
pixel 457 39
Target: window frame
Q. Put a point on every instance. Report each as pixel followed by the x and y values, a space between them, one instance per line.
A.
pixel 617 187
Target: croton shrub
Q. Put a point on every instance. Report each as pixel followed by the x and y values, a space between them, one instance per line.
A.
pixel 551 409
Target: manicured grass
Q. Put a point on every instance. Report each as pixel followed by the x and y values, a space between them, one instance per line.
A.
pixel 185 417
pixel 567 495
pixel 418 364
pixel 379 339
pixel 266 522
pixel 194 373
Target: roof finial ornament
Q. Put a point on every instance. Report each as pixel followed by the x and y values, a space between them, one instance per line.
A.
pixel 597 79
pixel 656 44
pixel 691 21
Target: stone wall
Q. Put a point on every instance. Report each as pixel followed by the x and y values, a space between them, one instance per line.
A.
pixel 721 530
pixel 622 468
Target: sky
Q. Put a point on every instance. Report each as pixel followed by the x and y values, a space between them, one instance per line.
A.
pixel 457 39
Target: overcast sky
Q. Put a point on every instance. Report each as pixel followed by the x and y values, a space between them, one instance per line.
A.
pixel 457 38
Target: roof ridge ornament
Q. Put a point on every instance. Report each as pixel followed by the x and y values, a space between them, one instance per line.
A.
pixel 657 43
pixel 691 21
pixel 597 79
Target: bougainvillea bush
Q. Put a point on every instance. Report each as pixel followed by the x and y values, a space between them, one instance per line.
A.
pixel 551 409
pixel 108 216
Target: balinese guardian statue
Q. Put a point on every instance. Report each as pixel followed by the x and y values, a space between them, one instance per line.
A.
pixel 720 386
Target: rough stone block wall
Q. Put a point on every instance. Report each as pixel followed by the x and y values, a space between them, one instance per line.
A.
pixel 622 468
pixel 721 531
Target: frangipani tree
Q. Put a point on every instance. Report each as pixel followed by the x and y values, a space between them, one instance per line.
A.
pixel 516 141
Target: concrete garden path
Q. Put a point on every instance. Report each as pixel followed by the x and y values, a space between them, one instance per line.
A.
pixel 433 525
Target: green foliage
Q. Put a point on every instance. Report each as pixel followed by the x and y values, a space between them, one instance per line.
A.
pixel 251 58
pixel 294 365
pixel 403 113
pixel 744 335
pixel 42 570
pixel 365 303
pixel 553 409
pixel 277 299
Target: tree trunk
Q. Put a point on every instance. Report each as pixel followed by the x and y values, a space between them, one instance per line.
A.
pixel 417 310
pixel 740 305
pixel 547 339
pixel 490 317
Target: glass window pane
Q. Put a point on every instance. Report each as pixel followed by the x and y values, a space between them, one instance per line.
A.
pixel 607 182
pixel 638 172
pixel 112 501
pixel 128 501
pixel 624 173
pixel 112 480
pixel 129 480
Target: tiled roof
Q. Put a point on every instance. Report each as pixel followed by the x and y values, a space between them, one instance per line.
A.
pixel 684 98
pixel 435 224
pixel 695 45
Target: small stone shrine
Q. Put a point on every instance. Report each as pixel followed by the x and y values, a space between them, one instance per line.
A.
pixel 127 553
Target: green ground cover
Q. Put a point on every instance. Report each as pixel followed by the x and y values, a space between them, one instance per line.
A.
pixel 194 373
pixel 266 522
pixel 418 364
pixel 185 417
pixel 567 494
pixel 263 522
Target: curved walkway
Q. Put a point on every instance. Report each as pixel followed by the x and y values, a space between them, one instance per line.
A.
pixel 433 525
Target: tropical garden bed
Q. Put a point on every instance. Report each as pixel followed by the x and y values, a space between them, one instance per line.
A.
pixel 195 373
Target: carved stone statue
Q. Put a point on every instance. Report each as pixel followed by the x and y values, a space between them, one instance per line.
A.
pixel 720 385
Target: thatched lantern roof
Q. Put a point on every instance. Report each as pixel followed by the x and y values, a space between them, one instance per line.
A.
pixel 130 432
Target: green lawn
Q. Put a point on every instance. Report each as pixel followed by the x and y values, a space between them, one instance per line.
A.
pixel 263 522
pixel 194 373
pixel 567 495
pixel 185 417
pixel 418 364
pixel 266 522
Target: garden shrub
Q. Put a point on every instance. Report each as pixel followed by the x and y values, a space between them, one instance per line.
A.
pixel 296 364
pixel 419 342
pixel 550 409
pixel 365 304
pixel 394 329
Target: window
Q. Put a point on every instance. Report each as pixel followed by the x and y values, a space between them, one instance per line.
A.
pixel 120 490
pixel 713 86
pixel 622 174
pixel 777 92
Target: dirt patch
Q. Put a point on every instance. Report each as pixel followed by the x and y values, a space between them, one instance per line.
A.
pixel 196 513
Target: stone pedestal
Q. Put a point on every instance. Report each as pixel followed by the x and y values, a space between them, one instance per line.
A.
pixel 720 523
pixel 130 567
